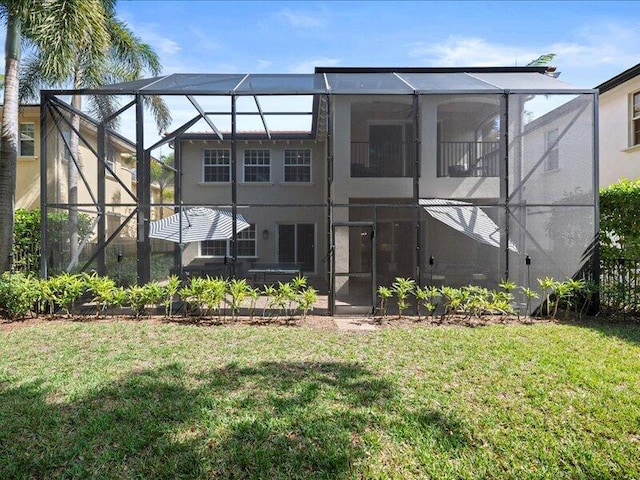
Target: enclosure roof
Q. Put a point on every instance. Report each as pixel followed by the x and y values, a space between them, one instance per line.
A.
pixel 351 81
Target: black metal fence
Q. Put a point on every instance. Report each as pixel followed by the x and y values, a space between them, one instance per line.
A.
pixel 620 284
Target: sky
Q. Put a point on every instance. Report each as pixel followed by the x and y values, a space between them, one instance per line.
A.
pixel 593 41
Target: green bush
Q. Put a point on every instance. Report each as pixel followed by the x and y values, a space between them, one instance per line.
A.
pixel 19 295
pixel 26 249
pixel 619 221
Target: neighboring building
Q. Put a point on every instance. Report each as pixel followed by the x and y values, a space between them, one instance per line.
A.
pixel 117 185
pixel 619 118
pixel 448 176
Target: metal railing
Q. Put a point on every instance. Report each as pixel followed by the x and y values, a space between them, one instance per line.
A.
pixel 468 159
pixel 382 159
pixel 620 284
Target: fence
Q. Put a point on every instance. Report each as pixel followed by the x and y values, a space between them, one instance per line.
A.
pixel 620 284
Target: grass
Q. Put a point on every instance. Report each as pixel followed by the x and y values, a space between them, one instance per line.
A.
pixel 145 400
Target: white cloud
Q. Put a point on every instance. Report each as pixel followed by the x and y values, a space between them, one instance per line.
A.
pixel 609 44
pixel 305 20
pixel 307 66
pixel 471 51
pixel 263 64
pixel 203 41
pixel 149 33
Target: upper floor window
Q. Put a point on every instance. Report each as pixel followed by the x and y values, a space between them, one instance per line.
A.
pixel 635 119
pixel 257 165
pixel 27 140
pixel 297 165
pixel 216 166
pixel 552 161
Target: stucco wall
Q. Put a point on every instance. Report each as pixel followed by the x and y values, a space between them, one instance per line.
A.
pixel 617 159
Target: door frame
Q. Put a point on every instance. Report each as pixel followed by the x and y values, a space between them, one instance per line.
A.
pixel 373 273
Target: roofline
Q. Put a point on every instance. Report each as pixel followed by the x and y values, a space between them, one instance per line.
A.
pixel 619 79
pixel 431 69
pixel 250 136
pixel 124 141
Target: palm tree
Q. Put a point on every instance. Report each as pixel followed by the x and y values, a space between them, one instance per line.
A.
pixel 52 28
pixel 163 177
pixel 126 59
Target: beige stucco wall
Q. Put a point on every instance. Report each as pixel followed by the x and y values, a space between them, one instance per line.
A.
pixel 265 218
pixel 617 159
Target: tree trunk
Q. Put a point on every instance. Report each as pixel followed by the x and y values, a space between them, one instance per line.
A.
pixel 9 141
pixel 74 144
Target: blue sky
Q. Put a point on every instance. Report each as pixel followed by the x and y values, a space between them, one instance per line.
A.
pixel 593 40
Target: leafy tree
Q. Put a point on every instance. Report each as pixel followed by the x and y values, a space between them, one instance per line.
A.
pixel 126 58
pixel 53 29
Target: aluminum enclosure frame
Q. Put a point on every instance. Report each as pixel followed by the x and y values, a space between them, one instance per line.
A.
pixel 323 94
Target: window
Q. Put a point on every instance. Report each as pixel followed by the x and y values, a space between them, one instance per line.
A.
pixel 110 162
pixel 216 166
pixel 257 165
pixel 220 248
pixel 552 162
pixel 635 119
pixel 296 244
pixel 27 140
pixel 297 165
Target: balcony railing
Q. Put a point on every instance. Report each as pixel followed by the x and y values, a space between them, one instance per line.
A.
pixel 468 159
pixel 382 159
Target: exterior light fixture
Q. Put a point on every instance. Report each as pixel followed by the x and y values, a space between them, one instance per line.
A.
pixel 265 234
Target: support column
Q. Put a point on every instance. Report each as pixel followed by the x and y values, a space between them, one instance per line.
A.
pixel 234 188
pixel 504 180
pixel 143 194
pixel 44 236
pixel 330 237
pixel 177 197
pixel 596 213
pixel 102 219
pixel 416 183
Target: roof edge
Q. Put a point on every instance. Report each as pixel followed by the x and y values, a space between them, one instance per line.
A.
pixel 431 69
pixel 619 79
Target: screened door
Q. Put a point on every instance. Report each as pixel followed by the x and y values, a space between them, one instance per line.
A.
pixel 354 277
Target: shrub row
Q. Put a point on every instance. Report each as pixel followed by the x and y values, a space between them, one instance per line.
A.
pixel 22 295
pixel 473 300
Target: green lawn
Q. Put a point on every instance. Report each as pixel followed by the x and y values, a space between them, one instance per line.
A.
pixel 143 400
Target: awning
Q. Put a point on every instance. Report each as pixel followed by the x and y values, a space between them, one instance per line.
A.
pixel 197 224
pixel 465 218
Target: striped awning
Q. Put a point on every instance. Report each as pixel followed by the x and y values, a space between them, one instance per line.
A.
pixel 196 225
pixel 465 218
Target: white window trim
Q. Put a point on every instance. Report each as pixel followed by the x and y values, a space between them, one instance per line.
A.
pixel 228 167
pixel 228 248
pixel 632 120
pixel 295 244
pixel 33 140
pixel 284 166
pixel 244 165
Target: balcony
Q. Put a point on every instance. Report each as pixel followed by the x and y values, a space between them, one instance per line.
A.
pixel 468 159
pixel 382 159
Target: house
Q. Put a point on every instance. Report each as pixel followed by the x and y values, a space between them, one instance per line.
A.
pixel 619 113
pixel 445 175
pixel 118 182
